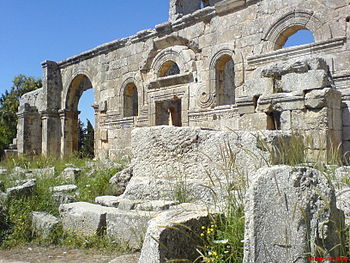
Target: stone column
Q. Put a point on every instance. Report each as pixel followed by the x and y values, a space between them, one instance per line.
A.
pixel 52 88
pixel 69 130
pixel 51 133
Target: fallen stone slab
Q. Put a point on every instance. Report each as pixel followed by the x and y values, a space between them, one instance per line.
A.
pixel 43 223
pixel 290 212
pixel 83 218
pixel 128 227
pixel 108 200
pixel 25 188
pixel 168 239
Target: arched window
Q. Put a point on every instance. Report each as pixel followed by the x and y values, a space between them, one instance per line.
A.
pixel 169 68
pixel 294 36
pixel 301 37
pixel 224 80
pixel 131 104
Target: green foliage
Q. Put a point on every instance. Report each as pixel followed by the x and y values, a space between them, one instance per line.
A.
pixel 96 184
pixel 16 221
pixel 86 140
pixel 9 102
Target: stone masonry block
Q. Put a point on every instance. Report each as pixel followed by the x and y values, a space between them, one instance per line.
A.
pixel 291 198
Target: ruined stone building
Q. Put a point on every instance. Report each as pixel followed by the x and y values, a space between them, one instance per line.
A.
pixel 215 64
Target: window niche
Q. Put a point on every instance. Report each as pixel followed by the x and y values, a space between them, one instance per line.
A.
pixel 224 81
pixel 131 104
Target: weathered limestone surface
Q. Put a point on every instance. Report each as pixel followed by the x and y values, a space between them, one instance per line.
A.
pixel 108 200
pixel 290 211
pixel 128 227
pixel 43 223
pixel 70 173
pixel 83 218
pixel 120 180
pixel 188 157
pixel 169 236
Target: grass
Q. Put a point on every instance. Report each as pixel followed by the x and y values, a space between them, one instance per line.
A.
pixel 16 217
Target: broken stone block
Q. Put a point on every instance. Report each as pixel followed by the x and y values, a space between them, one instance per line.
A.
pixel 70 173
pixel 43 172
pixel 108 200
pixel 313 79
pixel 64 194
pixel 290 211
pixel 155 205
pixel 43 223
pixel 128 226
pixel 317 99
pixel 83 218
pixel 121 180
pixel 25 188
pixel 172 236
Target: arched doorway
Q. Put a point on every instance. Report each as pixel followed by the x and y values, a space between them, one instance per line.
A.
pixel 70 114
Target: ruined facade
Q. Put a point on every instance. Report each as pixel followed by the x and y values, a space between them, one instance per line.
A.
pixel 215 64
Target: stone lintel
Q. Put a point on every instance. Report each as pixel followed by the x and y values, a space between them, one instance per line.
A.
pixel 171 80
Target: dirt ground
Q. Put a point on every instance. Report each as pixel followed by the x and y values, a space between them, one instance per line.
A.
pixel 36 254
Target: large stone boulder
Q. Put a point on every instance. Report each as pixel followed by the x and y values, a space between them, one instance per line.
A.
pixel 173 235
pixel 290 213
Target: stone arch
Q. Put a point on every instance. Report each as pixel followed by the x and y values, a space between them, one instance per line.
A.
pixel 171 55
pixel 167 43
pixel 69 113
pixel 221 56
pixel 290 23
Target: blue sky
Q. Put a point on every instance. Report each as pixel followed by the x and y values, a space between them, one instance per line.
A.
pixel 32 31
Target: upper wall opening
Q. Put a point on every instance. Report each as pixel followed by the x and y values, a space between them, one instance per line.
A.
pixel 169 68
pixel 300 37
pixel 179 8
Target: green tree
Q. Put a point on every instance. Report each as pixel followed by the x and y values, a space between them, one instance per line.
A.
pixel 86 140
pixel 9 102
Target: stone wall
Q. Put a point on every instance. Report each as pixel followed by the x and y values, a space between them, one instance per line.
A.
pixel 203 40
